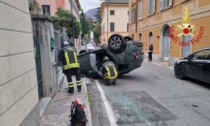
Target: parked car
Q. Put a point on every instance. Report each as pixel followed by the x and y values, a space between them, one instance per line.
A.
pixel 90 47
pixel 196 65
pixel 127 55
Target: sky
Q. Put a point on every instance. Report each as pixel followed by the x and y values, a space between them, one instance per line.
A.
pixel 89 4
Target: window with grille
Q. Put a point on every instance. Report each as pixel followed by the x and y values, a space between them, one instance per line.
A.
pixel 165 4
pixel 112 12
pixel 141 9
pixel 46 9
pixel 112 27
pixel 131 15
pixel 151 7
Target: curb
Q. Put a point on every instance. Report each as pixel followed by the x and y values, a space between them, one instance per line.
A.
pixel 87 104
pixel 43 105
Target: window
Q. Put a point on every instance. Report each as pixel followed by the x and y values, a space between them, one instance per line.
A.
pixel 112 27
pixel 165 4
pixel 131 15
pixel 127 27
pixel 140 37
pixel 46 9
pixel 151 7
pixel 202 55
pixel 141 10
pixel 112 12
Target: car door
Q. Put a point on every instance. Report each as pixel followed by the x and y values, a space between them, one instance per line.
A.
pixel 93 62
pixel 198 64
pixel 206 69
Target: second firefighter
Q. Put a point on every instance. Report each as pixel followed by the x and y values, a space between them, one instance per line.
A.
pixel 68 56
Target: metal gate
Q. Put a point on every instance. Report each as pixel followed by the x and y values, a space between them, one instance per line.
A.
pixel 166 43
pixel 38 58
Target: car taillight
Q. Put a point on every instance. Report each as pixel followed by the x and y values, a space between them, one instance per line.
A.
pixel 135 55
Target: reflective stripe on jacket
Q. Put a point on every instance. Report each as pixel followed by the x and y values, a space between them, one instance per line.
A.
pixel 71 60
pixel 111 71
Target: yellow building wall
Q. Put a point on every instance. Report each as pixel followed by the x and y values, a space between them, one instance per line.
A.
pixel 202 3
pixel 205 40
pixel 199 16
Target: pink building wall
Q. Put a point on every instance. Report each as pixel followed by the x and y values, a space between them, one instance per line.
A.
pixel 52 4
pixel 67 5
pixel 60 3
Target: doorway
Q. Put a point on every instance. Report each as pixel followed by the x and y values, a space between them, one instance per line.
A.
pixel 165 42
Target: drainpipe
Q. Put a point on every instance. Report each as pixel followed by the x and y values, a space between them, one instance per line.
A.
pixel 107 21
pixel 136 14
pixel 71 2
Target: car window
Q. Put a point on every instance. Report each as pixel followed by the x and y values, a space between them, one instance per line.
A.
pixel 202 55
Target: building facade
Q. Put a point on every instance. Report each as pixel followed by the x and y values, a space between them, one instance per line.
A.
pixel 75 8
pixel 160 22
pixel 49 7
pixel 114 15
pixel 18 82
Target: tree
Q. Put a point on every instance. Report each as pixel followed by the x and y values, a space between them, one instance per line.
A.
pixel 65 19
pixel 84 25
pixel 34 7
pixel 97 15
pixel 97 33
pixel 86 36
pixel 97 28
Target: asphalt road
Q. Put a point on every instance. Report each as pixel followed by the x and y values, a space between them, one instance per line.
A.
pixel 150 96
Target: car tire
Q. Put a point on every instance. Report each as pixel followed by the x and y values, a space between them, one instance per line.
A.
pixel 128 38
pixel 179 71
pixel 116 43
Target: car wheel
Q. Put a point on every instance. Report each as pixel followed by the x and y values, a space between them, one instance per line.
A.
pixel 128 38
pixel 179 71
pixel 115 43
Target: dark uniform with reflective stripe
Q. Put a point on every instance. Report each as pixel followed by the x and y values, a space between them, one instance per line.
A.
pixel 71 66
pixel 109 70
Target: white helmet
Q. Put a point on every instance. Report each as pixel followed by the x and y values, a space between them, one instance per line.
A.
pixel 66 43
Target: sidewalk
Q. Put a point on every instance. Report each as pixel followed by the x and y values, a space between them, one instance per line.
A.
pixel 58 111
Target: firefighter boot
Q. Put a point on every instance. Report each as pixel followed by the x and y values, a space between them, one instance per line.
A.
pixel 71 90
pixel 114 82
pixel 79 88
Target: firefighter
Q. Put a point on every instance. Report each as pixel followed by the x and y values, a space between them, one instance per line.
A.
pixel 109 71
pixel 68 56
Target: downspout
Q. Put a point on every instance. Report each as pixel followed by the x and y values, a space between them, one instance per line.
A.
pixel 136 15
pixel 107 22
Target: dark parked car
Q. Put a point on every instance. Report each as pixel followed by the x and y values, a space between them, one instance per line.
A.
pixel 196 65
pixel 127 55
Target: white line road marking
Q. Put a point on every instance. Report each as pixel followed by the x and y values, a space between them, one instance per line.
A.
pixel 157 64
pixel 109 111
pixel 162 65
pixel 171 68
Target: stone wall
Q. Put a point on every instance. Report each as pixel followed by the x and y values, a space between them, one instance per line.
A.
pixel 18 80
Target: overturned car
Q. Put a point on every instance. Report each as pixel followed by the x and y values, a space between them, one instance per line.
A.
pixel 123 51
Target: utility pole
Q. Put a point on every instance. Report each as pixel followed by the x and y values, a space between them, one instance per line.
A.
pixel 72 24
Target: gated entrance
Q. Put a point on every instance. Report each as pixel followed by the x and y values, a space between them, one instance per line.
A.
pixel 165 42
pixel 38 59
